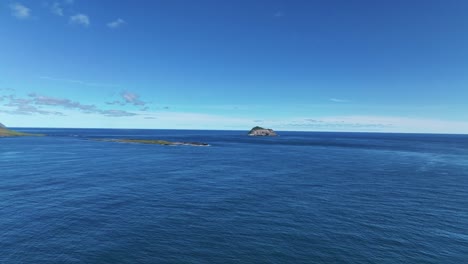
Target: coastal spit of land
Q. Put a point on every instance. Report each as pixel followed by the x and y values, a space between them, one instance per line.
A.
pixel 256 131
pixel 5 132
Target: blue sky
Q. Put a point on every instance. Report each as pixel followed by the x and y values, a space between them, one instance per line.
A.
pixel 397 66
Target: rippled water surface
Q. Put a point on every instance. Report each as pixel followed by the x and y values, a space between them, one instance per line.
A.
pixel 297 198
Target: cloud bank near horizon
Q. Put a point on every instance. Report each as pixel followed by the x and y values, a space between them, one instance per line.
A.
pixel 131 111
pixel 36 104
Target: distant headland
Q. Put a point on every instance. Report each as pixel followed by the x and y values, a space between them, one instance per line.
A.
pixel 5 132
pixel 262 132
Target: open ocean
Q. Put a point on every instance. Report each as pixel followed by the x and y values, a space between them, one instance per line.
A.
pixel 298 198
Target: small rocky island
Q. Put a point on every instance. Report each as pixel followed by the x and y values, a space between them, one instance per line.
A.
pixel 262 132
pixel 155 142
pixel 5 132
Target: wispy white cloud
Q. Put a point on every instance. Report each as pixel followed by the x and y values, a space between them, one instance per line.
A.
pixel 116 23
pixel 56 8
pixel 330 124
pixel 20 11
pixel 62 102
pixel 129 98
pixel 46 105
pixel 21 106
pixel 371 123
pixel 336 100
pixel 132 98
pixel 80 19
pixel 29 110
pixel 117 113
pixel 78 82
pixel 116 102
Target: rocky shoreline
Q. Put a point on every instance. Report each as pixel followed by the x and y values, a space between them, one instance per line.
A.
pixel 262 132
pixel 155 142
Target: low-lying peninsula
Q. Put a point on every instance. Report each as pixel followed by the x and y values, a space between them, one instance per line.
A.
pixel 260 131
pixel 156 142
pixel 5 132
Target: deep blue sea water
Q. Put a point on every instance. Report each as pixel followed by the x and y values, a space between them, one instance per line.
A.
pixel 297 198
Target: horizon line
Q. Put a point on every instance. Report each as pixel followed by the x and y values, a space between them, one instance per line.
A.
pixel 200 129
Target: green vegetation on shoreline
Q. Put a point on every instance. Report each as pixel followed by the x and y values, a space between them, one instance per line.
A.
pixel 5 132
pixel 255 128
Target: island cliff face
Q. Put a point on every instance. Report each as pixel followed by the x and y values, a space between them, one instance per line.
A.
pixel 262 132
